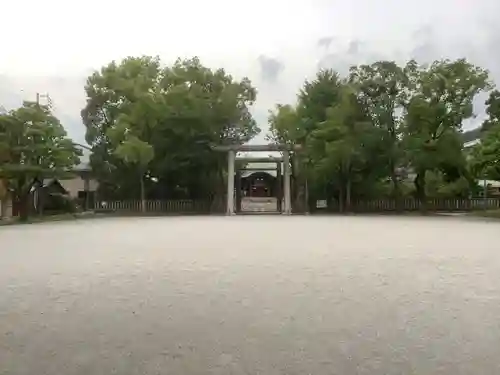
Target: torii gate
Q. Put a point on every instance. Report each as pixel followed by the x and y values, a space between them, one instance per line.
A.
pixel 285 159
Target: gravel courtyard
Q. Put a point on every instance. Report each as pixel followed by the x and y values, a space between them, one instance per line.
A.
pixel 251 295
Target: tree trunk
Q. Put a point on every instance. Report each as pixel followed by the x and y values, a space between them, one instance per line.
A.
pixel 396 188
pixel 220 194
pixel 143 195
pixel 3 208
pixel 22 204
pixel 21 199
pixel 306 197
pixel 238 190
pixel 41 200
pixel 348 194
pixel 420 190
pixel 341 199
pixel 4 196
pixel 293 189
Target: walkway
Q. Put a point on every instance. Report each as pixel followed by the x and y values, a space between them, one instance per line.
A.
pixel 257 204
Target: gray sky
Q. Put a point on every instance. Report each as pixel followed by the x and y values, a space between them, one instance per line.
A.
pixel 277 43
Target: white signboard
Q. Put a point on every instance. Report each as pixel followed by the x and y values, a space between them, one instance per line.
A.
pixel 321 203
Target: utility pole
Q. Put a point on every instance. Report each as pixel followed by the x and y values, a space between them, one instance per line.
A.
pixel 44 96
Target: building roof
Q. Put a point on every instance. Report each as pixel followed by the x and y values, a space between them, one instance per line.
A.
pixel 257 148
pixel 246 174
pixel 472 143
pixel 490 183
pixel 265 169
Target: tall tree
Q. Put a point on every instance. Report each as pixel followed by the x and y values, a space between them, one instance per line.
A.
pixel 337 148
pixel 382 89
pixel 323 116
pixel 204 107
pixel 135 152
pixel 33 145
pixel 492 110
pixel 315 98
pixel 296 124
pixel 442 99
pixel 284 125
pixel 121 98
pixel 292 124
pixel 180 111
pixel 485 156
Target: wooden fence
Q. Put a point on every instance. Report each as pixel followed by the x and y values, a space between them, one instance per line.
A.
pixel 379 205
pixel 445 205
pixel 184 206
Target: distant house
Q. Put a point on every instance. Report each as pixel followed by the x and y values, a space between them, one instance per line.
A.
pixel 492 188
pixel 472 143
pixel 260 181
pixel 81 183
pixel 471 138
pixel 5 202
pixel 471 135
pixel 79 186
pixel 47 191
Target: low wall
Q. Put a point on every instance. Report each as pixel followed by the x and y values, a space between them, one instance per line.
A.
pixel 380 205
pixel 183 206
pixel 445 205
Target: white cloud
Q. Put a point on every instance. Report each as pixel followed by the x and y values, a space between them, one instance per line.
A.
pixel 53 46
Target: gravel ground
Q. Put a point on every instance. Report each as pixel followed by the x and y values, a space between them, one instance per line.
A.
pixel 251 295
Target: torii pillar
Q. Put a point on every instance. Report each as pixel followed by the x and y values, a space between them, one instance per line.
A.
pixel 233 149
pixel 279 187
pixel 231 156
pixel 287 209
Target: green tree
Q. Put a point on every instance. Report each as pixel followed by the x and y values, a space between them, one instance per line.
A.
pixel 492 110
pixel 441 99
pixel 485 157
pixel 180 111
pixel 382 90
pixel 284 125
pixel 121 99
pixel 314 100
pixel 292 124
pixel 33 145
pixel 437 185
pixel 135 152
pixel 204 107
pixel 323 118
pixel 403 118
pixel 295 124
pixel 338 147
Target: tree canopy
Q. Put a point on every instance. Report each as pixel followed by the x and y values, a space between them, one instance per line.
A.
pixel 366 133
pixel 33 145
pixel 383 130
pixel 162 120
pixel 485 157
